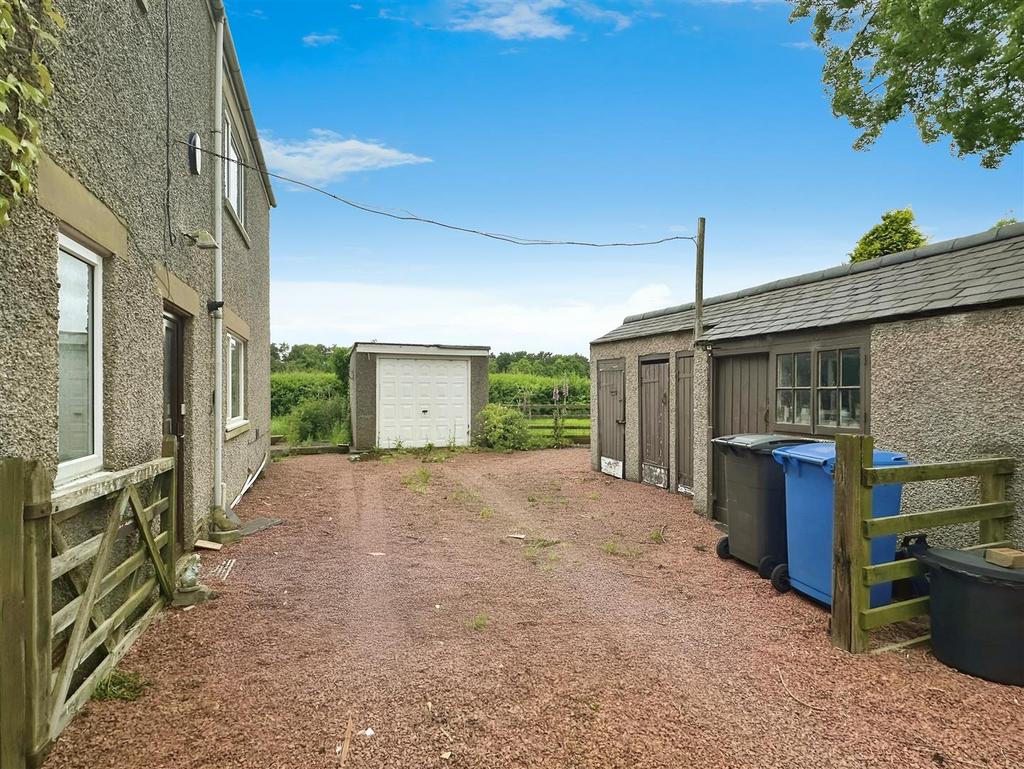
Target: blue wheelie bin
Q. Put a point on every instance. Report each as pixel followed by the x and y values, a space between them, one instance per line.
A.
pixel 810 499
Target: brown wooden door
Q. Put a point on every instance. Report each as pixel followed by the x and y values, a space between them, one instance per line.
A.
pixel 654 428
pixel 684 423
pixel 174 403
pixel 741 406
pixel 611 415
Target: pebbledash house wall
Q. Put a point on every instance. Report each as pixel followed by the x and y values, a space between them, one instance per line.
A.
pixel 102 183
pixel 630 351
pixel 363 395
pixel 950 387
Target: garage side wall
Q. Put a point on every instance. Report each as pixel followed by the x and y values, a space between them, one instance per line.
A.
pixel 949 388
pixel 632 350
pixel 363 393
pixel 480 390
pixel 701 431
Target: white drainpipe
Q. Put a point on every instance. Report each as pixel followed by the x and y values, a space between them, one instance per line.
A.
pixel 218 263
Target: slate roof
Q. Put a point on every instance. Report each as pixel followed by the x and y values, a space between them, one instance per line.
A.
pixel 973 271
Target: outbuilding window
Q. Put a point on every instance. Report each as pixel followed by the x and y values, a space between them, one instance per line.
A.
pixel 236 381
pixel 818 390
pixel 80 360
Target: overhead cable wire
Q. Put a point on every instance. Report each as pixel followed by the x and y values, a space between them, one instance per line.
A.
pixel 409 217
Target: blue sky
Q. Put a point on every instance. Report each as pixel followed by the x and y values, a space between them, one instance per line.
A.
pixel 562 119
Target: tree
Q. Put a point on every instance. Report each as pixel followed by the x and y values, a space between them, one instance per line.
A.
pixel 340 357
pixel 957 66
pixel 896 232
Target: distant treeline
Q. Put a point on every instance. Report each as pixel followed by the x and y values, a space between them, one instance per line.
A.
pixel 540 364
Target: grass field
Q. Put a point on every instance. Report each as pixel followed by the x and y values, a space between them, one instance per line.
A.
pixel 574 426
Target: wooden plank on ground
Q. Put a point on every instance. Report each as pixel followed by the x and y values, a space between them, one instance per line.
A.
pixel 205 544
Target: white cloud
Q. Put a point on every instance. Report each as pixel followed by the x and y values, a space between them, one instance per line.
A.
pixel 346 312
pixel 512 20
pixel 532 19
pixel 591 12
pixel 801 45
pixel 328 156
pixel 317 41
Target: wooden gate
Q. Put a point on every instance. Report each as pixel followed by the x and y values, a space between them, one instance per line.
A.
pixel 95 564
pixel 684 423
pixel 741 406
pixel 611 415
pixel 654 427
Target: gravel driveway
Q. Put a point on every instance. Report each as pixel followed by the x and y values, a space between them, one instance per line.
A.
pixel 393 595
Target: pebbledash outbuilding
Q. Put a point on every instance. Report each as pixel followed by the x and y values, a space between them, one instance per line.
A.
pixel 923 349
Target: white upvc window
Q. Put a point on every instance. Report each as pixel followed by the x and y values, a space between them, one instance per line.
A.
pixel 80 360
pixel 236 381
pixel 234 171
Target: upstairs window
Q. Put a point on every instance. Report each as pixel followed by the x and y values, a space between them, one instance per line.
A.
pixel 234 172
pixel 79 361
pixel 236 381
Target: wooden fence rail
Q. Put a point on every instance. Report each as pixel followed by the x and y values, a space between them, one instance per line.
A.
pixel 853 574
pixel 109 586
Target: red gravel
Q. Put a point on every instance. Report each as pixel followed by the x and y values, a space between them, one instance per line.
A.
pixel 659 656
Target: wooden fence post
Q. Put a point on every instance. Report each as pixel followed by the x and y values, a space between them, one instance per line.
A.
pixel 169 518
pixel 13 727
pixel 993 489
pixel 39 606
pixel 851 550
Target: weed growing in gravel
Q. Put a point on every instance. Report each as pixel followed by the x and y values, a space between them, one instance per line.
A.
pixel 479 622
pixel 531 498
pixel 657 536
pixel 487 513
pixel 531 553
pixel 417 481
pixel 613 548
pixel 542 542
pixel 121 686
pixel 593 495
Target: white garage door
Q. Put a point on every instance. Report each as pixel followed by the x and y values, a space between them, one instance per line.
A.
pixel 421 401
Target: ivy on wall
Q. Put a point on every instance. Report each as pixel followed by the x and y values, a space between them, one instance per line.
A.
pixel 25 89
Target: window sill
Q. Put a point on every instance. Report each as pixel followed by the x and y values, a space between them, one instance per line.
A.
pixel 233 215
pixel 87 478
pixel 234 429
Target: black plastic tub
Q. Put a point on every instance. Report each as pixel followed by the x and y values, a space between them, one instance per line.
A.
pixel 977 613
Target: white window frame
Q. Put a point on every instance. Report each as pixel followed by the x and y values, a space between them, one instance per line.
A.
pixel 75 468
pixel 237 201
pixel 233 421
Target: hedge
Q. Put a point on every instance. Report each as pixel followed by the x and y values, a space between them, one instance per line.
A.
pixel 513 388
pixel 290 388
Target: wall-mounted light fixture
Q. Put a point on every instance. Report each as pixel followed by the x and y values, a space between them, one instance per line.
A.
pixel 201 239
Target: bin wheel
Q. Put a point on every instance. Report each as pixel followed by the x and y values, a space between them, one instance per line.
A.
pixel 780 578
pixel 722 548
pixel 766 566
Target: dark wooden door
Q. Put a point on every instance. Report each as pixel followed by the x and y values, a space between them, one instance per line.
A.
pixel 741 406
pixel 654 427
pixel 684 423
pixel 611 415
pixel 174 404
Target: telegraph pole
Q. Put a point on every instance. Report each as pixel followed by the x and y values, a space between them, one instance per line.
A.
pixel 698 301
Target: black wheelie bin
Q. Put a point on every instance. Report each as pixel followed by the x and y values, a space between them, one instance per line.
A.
pixel 755 499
